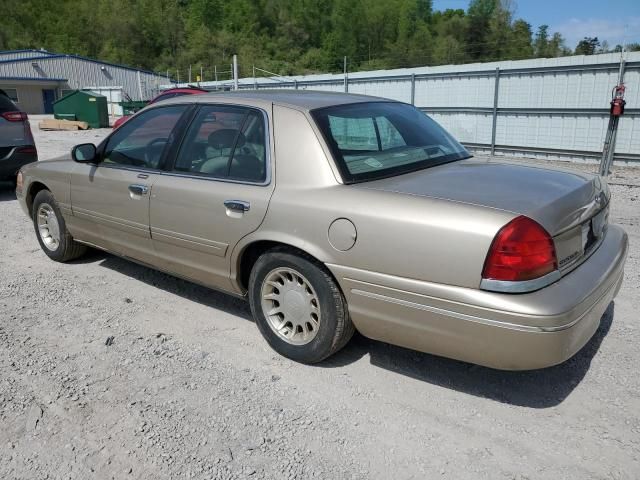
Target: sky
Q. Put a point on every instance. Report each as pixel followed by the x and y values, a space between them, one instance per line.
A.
pixel 614 21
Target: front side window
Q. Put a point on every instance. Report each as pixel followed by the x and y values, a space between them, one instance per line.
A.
pixel 141 141
pixel 380 139
pixel 226 142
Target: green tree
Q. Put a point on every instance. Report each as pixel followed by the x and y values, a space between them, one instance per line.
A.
pixel 520 46
pixel 587 46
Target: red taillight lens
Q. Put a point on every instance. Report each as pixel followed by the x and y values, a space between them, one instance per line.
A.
pixel 29 149
pixel 14 116
pixel 522 250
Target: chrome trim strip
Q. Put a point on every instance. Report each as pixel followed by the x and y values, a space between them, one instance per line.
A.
pixel 117 223
pixel 486 321
pixel 189 241
pixel 504 286
pixel 448 313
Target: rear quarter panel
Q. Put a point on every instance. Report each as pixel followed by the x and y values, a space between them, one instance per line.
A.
pixel 397 234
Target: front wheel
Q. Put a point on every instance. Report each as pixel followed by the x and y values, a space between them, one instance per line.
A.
pixel 51 230
pixel 298 306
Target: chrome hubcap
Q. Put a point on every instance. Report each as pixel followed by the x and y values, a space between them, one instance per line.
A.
pixel 48 227
pixel 290 305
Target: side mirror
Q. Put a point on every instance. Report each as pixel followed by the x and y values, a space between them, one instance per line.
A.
pixel 84 153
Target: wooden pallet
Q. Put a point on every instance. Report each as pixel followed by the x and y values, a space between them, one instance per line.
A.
pixel 62 125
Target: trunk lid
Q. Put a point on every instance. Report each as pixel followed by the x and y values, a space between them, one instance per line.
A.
pixel 557 199
pixel 570 205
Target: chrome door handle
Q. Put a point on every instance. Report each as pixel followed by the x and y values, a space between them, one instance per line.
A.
pixel 237 205
pixel 138 189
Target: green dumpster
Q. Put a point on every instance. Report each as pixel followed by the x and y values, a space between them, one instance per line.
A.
pixel 131 107
pixel 83 106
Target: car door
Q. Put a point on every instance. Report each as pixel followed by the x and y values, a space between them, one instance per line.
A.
pixel 216 192
pixel 110 200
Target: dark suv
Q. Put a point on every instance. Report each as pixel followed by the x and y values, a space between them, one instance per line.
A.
pixel 17 147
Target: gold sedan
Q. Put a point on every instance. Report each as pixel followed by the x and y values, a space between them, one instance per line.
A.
pixel 334 212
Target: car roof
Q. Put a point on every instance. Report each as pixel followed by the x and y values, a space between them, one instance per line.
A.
pixel 194 90
pixel 299 99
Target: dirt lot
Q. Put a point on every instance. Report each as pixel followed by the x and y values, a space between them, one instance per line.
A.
pixel 189 389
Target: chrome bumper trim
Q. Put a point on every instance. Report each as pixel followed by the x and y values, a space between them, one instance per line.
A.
pixel 503 286
pixel 487 321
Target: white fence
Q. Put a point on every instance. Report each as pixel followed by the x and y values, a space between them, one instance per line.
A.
pixel 555 108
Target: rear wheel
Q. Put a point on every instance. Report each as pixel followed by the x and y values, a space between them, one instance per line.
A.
pixel 51 230
pixel 298 306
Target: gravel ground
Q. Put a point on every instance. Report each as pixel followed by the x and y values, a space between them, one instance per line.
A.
pixel 112 370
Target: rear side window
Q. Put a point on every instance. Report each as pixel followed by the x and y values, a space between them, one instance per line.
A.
pixel 381 139
pixel 6 105
pixel 141 141
pixel 225 142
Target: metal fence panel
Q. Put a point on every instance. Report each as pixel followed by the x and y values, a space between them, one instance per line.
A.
pixel 557 107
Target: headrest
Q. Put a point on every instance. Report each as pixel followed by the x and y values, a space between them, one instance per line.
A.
pixel 225 138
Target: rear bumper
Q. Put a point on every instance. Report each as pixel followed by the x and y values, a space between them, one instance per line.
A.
pixel 504 331
pixel 14 161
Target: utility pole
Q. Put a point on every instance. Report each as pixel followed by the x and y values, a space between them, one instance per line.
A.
pixel 346 77
pixel 235 72
pixel 140 86
pixel 494 119
pixel 189 74
pixel 215 73
pixel 177 76
pixel 201 73
pixel 255 82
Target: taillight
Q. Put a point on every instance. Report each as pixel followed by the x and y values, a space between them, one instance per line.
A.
pixel 522 250
pixel 28 149
pixel 19 182
pixel 14 116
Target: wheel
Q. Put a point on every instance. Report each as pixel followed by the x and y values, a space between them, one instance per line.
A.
pixel 51 230
pixel 298 306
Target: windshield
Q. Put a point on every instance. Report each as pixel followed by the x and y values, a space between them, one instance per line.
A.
pixel 380 139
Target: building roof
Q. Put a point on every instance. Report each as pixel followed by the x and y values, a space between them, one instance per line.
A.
pixel 45 55
pixel 34 79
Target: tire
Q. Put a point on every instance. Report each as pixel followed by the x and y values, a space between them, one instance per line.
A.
pixel 53 236
pixel 293 331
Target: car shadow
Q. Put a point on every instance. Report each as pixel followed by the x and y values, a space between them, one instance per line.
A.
pixel 168 283
pixel 7 192
pixel 534 389
pixel 543 388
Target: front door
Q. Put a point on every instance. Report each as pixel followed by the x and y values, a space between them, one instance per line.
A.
pixel 216 192
pixel 110 200
pixel 48 97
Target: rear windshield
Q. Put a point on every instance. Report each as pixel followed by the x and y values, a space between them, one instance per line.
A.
pixel 381 139
pixel 6 105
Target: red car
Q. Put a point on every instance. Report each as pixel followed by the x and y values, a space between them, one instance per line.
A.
pixel 169 93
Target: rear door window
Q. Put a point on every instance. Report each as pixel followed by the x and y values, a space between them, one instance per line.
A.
pixel 226 142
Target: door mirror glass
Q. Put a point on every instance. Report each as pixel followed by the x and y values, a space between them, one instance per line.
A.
pixel 84 153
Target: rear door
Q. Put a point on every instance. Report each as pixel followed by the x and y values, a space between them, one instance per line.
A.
pixel 216 192
pixel 110 201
